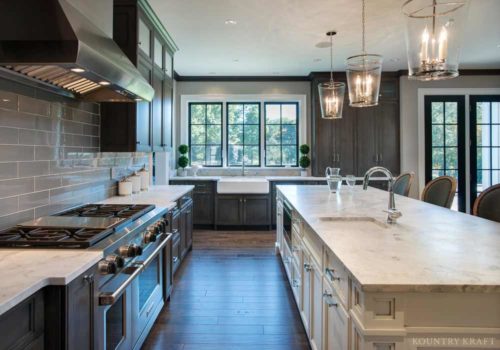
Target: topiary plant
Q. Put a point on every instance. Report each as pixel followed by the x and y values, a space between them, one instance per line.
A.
pixel 304 162
pixel 183 161
pixel 183 149
pixel 304 149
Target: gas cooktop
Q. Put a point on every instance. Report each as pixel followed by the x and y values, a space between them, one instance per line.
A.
pixel 80 227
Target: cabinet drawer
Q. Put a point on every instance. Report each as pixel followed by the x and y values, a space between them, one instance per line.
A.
pixel 313 244
pixel 336 321
pixel 203 187
pixel 336 275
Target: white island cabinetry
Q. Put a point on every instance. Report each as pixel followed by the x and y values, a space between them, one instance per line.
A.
pixel 360 284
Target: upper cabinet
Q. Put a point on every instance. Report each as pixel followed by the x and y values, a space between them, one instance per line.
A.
pixel 363 138
pixel 142 126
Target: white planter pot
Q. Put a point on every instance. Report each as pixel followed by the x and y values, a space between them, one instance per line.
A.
pixel 181 172
pixel 303 173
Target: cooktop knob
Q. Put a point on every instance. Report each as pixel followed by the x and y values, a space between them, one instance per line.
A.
pixel 118 260
pixel 150 236
pixel 106 267
pixel 130 251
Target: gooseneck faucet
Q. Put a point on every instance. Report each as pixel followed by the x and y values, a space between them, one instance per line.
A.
pixel 392 213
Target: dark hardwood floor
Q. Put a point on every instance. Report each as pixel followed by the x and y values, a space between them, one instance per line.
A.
pixel 230 294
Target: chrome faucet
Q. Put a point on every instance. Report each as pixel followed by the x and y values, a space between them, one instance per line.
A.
pixel 392 213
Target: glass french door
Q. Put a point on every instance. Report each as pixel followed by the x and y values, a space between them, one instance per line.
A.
pixel 445 142
pixel 484 143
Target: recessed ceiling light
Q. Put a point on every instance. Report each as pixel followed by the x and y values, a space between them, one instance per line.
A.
pixel 212 73
pixel 323 44
pixel 78 70
pixel 317 60
pixel 395 59
pixel 5 100
pixel 236 60
pixel 104 83
pixel 138 99
pixel 276 73
pixel 230 22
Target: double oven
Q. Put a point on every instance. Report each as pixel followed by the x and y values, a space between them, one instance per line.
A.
pixel 287 223
pixel 129 301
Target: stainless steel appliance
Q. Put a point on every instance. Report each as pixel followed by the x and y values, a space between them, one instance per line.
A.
pixel 287 223
pixel 130 280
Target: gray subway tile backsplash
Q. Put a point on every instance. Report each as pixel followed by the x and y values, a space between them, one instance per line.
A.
pixel 50 158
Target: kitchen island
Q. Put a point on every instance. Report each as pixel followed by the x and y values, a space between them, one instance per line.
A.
pixel 432 279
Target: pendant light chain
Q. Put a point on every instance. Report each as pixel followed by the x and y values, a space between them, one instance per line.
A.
pixel 331 59
pixel 363 26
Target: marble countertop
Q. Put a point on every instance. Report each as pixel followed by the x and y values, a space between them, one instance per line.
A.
pixel 161 196
pixel 429 249
pixel 26 271
pixel 269 178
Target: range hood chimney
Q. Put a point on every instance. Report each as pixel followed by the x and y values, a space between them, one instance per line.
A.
pixel 51 42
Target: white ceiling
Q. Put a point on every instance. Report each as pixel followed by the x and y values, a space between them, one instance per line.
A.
pixel 278 37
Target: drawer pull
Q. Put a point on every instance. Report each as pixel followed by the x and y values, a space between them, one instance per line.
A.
pixel 175 259
pixel 295 283
pixel 329 299
pixel 295 249
pixel 308 267
pixel 331 275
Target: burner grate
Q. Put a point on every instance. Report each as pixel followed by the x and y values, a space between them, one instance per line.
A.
pixel 126 211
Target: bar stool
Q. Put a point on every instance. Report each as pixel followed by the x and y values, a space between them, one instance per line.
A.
pixel 487 205
pixel 402 184
pixel 440 191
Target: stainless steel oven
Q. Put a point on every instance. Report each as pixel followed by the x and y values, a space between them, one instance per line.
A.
pixel 129 302
pixel 287 223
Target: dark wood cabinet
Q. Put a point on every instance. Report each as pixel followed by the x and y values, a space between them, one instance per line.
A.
pixel 186 227
pixel 80 311
pixel 22 327
pixel 144 125
pixel 243 210
pixel 229 210
pixel 363 138
pixel 203 201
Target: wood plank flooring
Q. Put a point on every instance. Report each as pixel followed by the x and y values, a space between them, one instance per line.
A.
pixel 231 293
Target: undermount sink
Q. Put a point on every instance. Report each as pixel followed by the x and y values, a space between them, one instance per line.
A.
pixel 353 220
pixel 244 185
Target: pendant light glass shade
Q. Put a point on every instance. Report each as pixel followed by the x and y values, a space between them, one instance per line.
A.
pixel 331 96
pixel 433 37
pixel 363 79
pixel 363 73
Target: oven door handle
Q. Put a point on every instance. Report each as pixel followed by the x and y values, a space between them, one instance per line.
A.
pixel 109 298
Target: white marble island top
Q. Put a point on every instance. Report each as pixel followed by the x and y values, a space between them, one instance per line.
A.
pixel 429 249
pixel 26 271
pixel 161 196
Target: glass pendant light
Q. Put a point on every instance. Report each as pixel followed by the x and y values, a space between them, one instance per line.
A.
pixel 331 94
pixel 433 35
pixel 363 74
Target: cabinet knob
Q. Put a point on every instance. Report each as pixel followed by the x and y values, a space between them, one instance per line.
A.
pixel 89 278
pixel 308 267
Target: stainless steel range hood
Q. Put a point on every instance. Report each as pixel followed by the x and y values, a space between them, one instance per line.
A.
pixel 51 42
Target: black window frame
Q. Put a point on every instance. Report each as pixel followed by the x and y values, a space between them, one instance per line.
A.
pixel 221 104
pixel 243 124
pixel 473 100
pixel 460 100
pixel 297 120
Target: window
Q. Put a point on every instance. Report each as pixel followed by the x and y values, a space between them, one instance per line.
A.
pixel 205 134
pixel 485 143
pixel 281 134
pixel 445 137
pixel 243 134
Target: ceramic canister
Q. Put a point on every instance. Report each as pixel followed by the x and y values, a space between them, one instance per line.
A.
pixel 144 179
pixel 136 183
pixel 125 188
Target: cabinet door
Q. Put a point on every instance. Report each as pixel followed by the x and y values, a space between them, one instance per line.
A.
pixel 183 232
pixel 316 332
pixel 189 226
pixel 203 208
pixel 168 272
pixel 388 135
pixel 229 210
pixel 157 118
pixel 80 310
pixel 306 293
pixel 144 36
pixel 166 133
pixel 366 140
pixel 257 211
pixel 336 321
pixel 144 110
pixel 343 131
